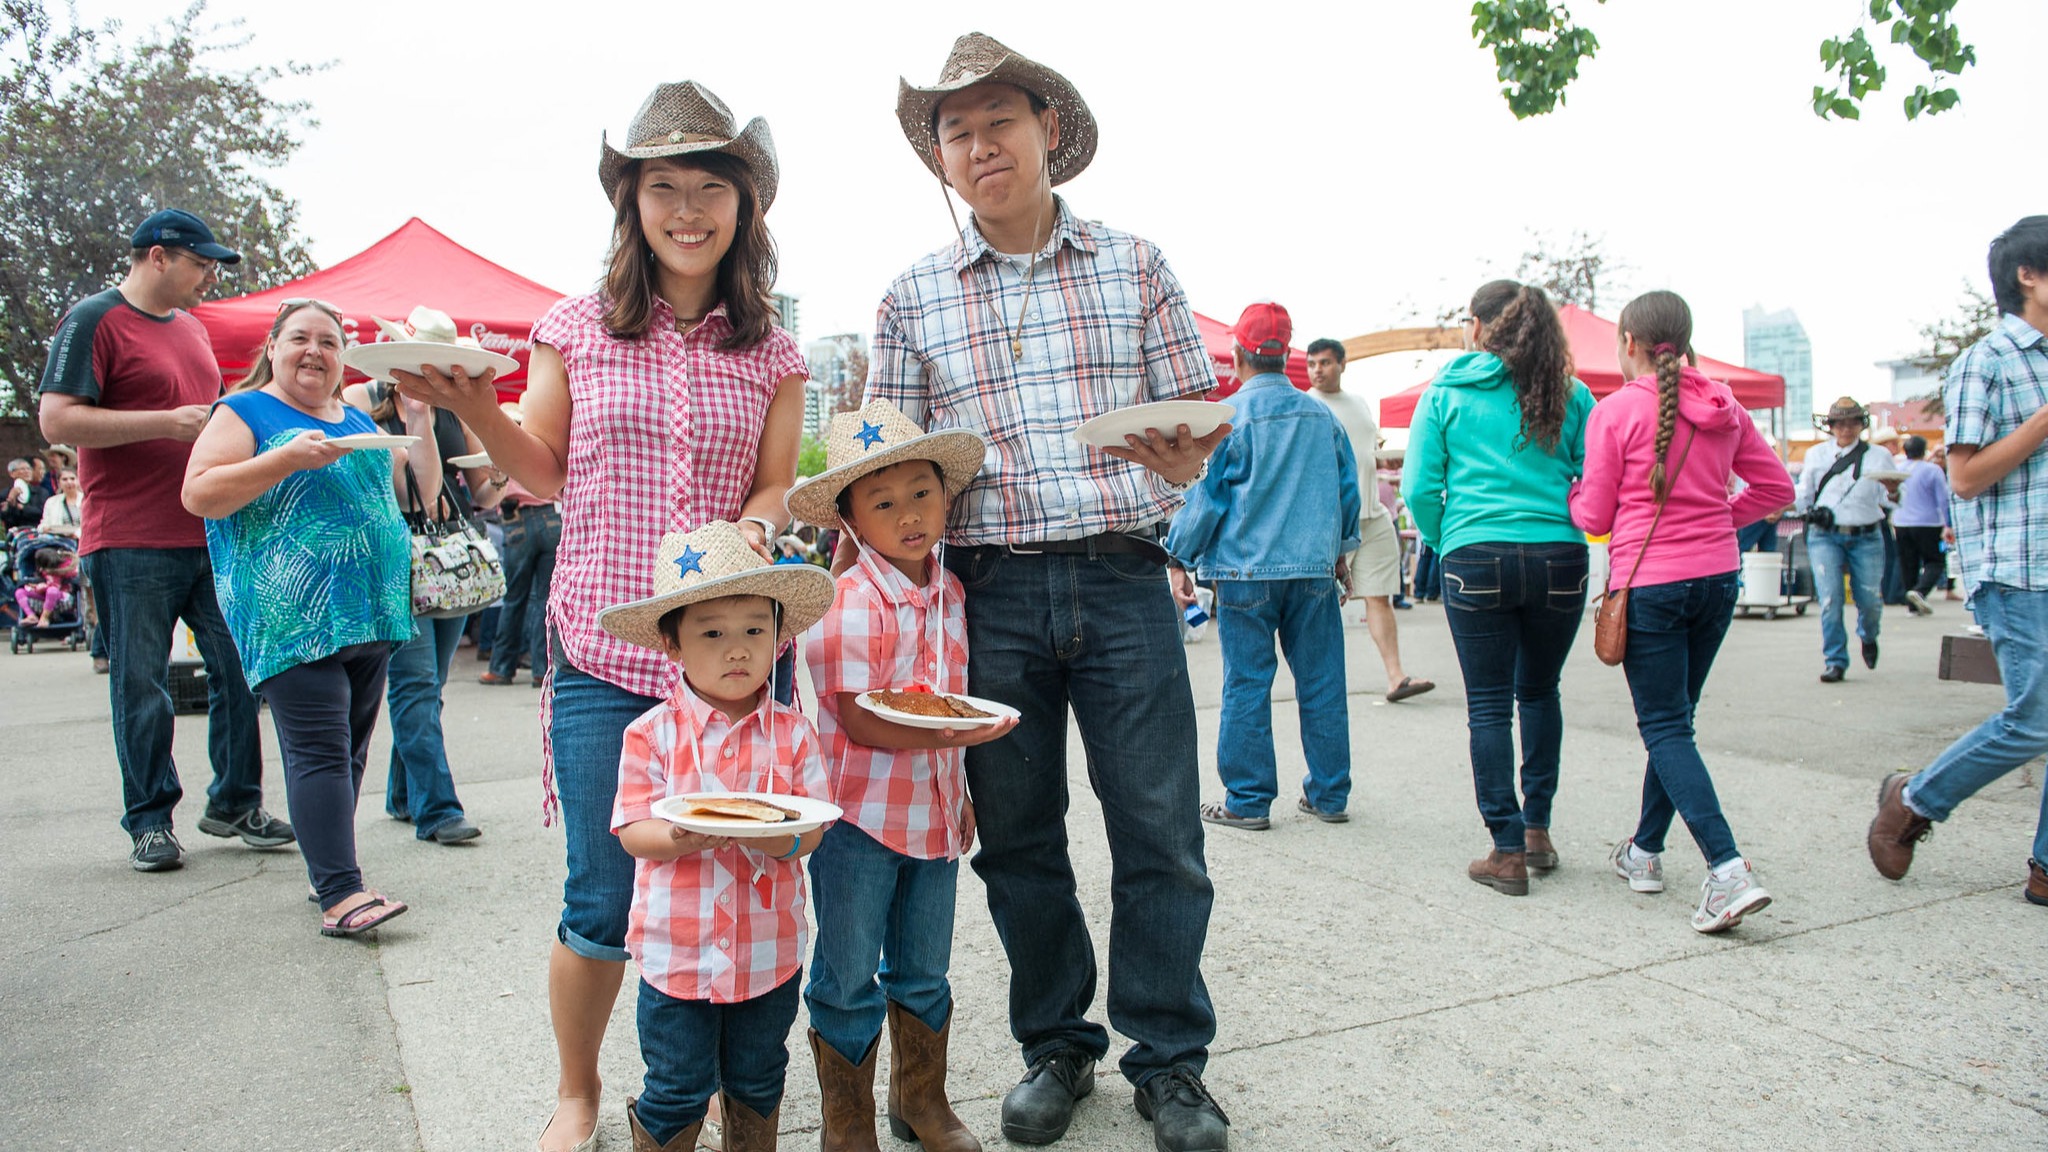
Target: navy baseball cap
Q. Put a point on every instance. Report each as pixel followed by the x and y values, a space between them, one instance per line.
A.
pixel 173 228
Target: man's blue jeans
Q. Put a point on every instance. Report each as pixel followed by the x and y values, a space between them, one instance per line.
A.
pixel 2016 621
pixel 420 786
pixel 1862 557
pixel 531 534
pixel 694 1048
pixel 142 594
pixel 1303 614
pixel 1674 632
pixel 1099 633
pixel 1514 610
pixel 880 914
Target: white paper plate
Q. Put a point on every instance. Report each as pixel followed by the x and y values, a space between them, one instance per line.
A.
pixel 1886 475
pixel 1109 429
pixel 473 460
pixel 373 440
pixel 814 814
pixel 377 360
pixel 935 723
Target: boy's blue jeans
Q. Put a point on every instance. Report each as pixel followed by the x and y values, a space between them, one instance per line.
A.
pixel 1303 614
pixel 2016 621
pixel 694 1048
pixel 880 914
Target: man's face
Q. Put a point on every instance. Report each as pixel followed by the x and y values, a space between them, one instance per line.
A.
pixel 1325 371
pixel 186 276
pixel 1846 431
pixel 992 147
pixel 19 469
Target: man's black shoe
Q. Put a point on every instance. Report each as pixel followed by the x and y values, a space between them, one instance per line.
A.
pixel 257 828
pixel 1185 1118
pixel 1870 653
pixel 1039 1108
pixel 156 850
pixel 1830 674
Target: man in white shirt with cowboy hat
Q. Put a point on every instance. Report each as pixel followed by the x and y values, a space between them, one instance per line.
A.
pixel 1844 506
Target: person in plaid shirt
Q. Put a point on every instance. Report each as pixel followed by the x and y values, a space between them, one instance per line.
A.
pixel 1996 396
pixel 886 873
pixel 1035 321
pixel 717 922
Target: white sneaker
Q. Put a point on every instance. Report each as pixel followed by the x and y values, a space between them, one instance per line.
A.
pixel 1919 604
pixel 1645 877
pixel 1723 903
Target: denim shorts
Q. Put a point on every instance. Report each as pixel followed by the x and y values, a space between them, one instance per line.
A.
pixel 590 719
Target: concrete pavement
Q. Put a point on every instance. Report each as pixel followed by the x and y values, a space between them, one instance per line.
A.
pixel 1369 996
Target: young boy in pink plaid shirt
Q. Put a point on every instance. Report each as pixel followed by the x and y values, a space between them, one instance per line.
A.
pixel 718 921
pixel 884 876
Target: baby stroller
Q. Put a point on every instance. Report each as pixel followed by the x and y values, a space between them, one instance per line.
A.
pixel 67 624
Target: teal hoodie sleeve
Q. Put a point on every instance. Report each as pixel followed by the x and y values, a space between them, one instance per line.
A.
pixel 1572 445
pixel 1423 473
pixel 1196 524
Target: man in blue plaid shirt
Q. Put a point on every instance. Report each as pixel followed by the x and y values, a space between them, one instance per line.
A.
pixel 1996 393
pixel 1035 321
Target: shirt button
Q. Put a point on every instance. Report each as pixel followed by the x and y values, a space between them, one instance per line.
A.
pixel 724 943
pixel 725 897
pixel 729 751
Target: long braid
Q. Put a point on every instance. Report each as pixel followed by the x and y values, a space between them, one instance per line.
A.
pixel 1667 418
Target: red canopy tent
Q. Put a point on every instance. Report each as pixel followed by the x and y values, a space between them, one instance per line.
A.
pixel 1592 343
pixel 1216 334
pixel 412 266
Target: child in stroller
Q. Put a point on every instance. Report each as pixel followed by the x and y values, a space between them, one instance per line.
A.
pixel 42 580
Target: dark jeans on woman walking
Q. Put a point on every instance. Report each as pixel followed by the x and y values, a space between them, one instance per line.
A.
pixel 1921 563
pixel 324 711
pixel 1674 631
pixel 1514 610
pixel 531 534
pixel 420 787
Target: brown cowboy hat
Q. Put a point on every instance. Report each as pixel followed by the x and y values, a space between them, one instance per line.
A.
pixel 1845 408
pixel 979 59
pixel 685 118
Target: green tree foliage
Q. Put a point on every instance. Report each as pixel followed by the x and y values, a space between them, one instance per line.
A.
pixel 97 133
pixel 810 457
pixel 1537 50
pixel 1944 339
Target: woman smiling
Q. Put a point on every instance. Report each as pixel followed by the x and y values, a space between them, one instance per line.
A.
pixel 313 568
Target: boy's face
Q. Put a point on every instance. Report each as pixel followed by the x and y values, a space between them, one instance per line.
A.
pixel 726 647
pixel 899 511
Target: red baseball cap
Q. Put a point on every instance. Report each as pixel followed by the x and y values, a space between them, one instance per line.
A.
pixel 1264 329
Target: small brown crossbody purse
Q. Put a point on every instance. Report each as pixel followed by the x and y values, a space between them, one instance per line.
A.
pixel 1610 611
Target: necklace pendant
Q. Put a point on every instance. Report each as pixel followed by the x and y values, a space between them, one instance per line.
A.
pixel 1016 349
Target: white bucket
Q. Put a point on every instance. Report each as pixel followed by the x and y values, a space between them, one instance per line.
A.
pixel 1763 580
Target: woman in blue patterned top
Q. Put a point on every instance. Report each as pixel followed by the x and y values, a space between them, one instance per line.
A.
pixel 313 566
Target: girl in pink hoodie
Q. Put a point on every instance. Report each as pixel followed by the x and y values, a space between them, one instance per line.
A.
pixel 1673 436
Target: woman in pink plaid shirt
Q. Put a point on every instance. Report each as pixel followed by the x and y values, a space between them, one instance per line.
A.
pixel 664 400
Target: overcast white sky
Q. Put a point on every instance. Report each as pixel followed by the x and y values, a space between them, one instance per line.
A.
pixel 1353 161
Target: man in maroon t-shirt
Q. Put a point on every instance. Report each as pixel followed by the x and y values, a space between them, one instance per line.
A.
pixel 130 380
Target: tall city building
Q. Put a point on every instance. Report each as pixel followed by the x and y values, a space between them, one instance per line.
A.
pixel 1776 342
pixel 785 312
pixel 839 374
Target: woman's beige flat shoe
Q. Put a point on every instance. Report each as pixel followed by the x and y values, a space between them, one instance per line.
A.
pixel 589 1143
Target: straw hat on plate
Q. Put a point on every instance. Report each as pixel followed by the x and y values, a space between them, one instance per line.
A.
pixel 715 561
pixel 425 326
pixel 681 119
pixel 979 59
pixel 870 440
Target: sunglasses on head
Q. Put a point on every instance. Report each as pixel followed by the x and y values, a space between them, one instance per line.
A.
pixel 284 306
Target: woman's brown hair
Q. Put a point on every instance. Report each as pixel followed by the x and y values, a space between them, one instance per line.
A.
pixel 745 276
pixel 259 371
pixel 1661 322
pixel 1523 330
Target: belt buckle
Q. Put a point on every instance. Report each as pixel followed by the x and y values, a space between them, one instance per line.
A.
pixel 1015 550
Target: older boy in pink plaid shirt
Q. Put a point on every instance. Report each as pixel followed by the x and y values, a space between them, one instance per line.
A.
pixel 885 875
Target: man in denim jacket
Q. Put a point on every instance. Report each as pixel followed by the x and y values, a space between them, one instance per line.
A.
pixel 1270 522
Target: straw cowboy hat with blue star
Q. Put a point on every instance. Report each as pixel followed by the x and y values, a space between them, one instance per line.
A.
pixel 877 436
pixel 712 562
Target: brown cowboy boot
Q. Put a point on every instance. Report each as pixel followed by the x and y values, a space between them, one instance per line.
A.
pixel 849 1097
pixel 685 1141
pixel 747 1130
pixel 1505 872
pixel 918 1109
pixel 1542 854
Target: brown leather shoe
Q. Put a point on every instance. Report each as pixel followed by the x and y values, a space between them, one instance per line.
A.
pixel 747 1130
pixel 1505 872
pixel 848 1092
pixel 685 1141
pixel 1895 828
pixel 1542 854
pixel 493 679
pixel 2037 882
pixel 918 1108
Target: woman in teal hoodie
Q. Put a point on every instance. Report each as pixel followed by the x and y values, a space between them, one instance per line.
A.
pixel 1497 441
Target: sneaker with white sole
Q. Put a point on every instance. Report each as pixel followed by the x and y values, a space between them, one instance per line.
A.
pixel 156 850
pixel 1919 604
pixel 1723 903
pixel 257 828
pixel 1647 876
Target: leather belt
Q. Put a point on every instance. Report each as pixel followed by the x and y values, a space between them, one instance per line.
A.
pixel 1142 542
pixel 1852 529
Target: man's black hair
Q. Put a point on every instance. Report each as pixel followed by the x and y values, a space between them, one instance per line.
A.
pixel 1327 345
pixel 1915 446
pixel 2024 245
pixel 1037 106
pixel 1258 363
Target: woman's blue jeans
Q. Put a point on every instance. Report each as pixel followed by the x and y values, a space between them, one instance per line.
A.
pixel 1303 615
pixel 1674 631
pixel 1514 610
pixel 883 915
pixel 420 787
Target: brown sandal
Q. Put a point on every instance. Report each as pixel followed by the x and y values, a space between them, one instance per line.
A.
pixel 1409 686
